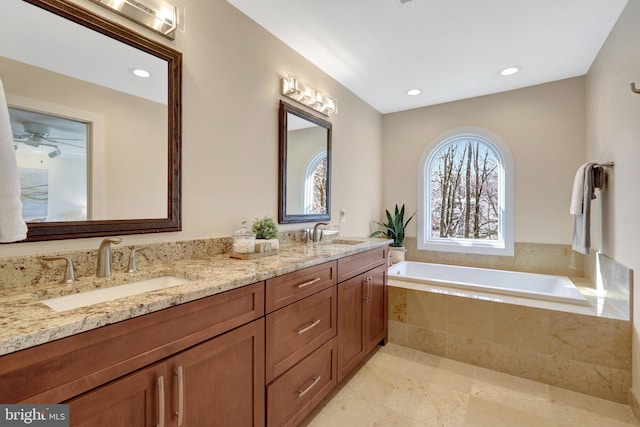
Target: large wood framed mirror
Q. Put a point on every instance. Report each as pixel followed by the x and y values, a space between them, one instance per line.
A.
pixel 305 166
pixel 63 66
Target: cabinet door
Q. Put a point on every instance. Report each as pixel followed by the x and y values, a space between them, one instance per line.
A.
pixel 375 308
pixel 221 381
pixel 133 401
pixel 351 347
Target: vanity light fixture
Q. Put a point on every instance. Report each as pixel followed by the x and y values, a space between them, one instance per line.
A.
pixel 309 96
pixel 139 72
pixel 510 71
pixel 414 92
pixel 157 15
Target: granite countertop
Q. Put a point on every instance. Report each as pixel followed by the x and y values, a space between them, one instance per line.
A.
pixel 26 322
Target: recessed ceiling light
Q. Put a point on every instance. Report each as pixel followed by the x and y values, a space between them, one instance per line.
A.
pixel 414 92
pixel 510 71
pixel 140 73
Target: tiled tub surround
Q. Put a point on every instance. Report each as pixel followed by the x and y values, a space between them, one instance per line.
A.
pixel 26 322
pixel 615 282
pixel 541 258
pixel 579 349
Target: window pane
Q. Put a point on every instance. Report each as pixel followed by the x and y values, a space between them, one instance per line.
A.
pixel 464 195
pixel 320 187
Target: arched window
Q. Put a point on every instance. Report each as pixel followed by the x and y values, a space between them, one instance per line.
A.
pixel 315 188
pixel 466 194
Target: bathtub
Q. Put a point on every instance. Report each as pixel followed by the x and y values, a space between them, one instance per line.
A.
pixel 512 283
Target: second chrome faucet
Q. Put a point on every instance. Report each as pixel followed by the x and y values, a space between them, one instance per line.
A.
pixel 103 268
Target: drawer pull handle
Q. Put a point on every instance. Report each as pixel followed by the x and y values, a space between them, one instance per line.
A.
pixel 161 401
pixel 365 289
pixel 309 283
pixel 306 390
pixel 308 328
pixel 180 413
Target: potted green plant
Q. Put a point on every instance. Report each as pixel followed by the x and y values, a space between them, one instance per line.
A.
pixel 265 229
pixel 394 229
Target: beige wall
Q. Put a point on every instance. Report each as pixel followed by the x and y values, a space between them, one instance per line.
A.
pixel 231 78
pixel 613 134
pixel 544 129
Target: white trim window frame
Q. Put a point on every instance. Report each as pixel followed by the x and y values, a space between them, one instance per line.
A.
pixel 505 243
pixel 309 193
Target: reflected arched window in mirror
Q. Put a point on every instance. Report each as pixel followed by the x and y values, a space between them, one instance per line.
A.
pixel 315 194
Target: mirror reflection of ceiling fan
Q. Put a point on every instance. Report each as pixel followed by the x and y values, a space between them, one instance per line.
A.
pixel 38 134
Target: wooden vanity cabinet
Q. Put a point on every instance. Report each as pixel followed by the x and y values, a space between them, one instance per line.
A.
pixel 217 383
pixel 223 360
pixel 110 375
pixel 362 307
pixel 300 342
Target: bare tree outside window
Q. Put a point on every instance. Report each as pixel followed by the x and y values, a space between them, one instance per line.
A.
pixel 320 187
pixel 464 191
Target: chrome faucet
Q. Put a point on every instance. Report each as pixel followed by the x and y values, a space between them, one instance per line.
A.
pixel 69 274
pixel 133 264
pixel 104 256
pixel 314 236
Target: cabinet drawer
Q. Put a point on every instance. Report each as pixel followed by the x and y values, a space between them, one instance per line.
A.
pixel 292 287
pixel 296 330
pixel 292 396
pixel 61 369
pixel 353 265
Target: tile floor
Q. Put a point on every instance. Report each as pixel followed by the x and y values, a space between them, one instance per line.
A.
pixel 399 386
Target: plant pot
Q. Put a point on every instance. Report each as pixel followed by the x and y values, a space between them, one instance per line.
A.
pixel 396 255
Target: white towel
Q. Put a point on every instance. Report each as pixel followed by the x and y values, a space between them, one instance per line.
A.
pixel 12 226
pixel 582 218
pixel 578 191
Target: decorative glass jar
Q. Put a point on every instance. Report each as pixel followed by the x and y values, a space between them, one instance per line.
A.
pixel 244 241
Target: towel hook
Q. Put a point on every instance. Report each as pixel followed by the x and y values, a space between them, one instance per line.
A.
pixel 634 89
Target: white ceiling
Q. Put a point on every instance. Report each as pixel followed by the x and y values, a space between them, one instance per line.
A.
pixel 450 49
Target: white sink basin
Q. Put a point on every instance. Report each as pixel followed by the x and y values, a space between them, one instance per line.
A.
pixel 83 299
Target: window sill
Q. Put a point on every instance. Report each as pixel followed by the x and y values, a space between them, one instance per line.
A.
pixel 468 247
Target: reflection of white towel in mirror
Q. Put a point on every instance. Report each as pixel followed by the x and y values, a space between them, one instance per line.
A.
pixel 12 226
